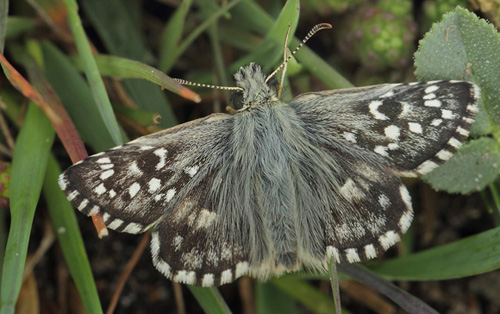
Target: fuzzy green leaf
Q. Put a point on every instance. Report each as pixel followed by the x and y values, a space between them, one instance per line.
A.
pixel 463 47
pixel 479 164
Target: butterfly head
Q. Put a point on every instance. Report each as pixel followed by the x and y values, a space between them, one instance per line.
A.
pixel 252 80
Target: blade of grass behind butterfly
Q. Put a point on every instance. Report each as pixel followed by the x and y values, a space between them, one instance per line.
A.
pixel 305 293
pixel 118 32
pixel 270 299
pixel 28 168
pixel 64 221
pixel 466 257
pixel 4 11
pixel 271 49
pixel 126 68
pixel 171 35
pixel 407 301
pixel 250 11
pixel 99 93
pixel 76 97
pixel 210 299
pixel 199 30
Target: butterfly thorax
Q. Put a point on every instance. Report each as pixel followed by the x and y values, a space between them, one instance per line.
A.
pixel 256 91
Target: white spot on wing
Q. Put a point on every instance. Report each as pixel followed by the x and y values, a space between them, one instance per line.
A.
pixel 112 193
pixel 241 269
pixel 133 169
pixel 333 252
pixel 71 196
pixel 462 131
pixel 178 242
pixel 352 255
pixel 154 184
pixel 388 239
pixel 205 218
pixel 187 277
pixel 405 195
pixel 100 189
pixel 431 89
pixel 192 171
pixel 392 132
pixel 381 150
pixel 134 189
pixel 349 136
pixel 430 96
pixel 415 127
pixel 208 280
pixel 170 194
pixel 106 174
pixel 94 211
pixel 133 228
pixel 436 103
pixel 444 154
pixel 447 114
pixel 436 122
pixel 162 154
pixel 83 204
pixel 350 190
pixel 63 182
pixel 374 110
pixel 226 276
pixel 454 142
pixel 104 160
pixel 370 251
pixel 405 220
pixel 384 201
pixel 115 224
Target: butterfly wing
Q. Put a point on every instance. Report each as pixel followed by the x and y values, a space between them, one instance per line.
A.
pixel 379 133
pixel 414 127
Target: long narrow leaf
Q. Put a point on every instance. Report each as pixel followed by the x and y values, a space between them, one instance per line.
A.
pixel 63 219
pixel 210 300
pixel 95 80
pixel 28 169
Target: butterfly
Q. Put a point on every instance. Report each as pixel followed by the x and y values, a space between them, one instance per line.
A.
pixel 277 187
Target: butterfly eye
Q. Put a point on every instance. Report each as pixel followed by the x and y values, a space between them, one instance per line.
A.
pixel 236 99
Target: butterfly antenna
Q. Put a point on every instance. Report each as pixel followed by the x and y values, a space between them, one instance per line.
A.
pixel 184 82
pixel 285 50
pixel 313 31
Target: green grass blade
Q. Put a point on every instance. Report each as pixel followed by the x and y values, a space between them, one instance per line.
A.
pixel 118 31
pixel 210 299
pixel 171 36
pixel 28 169
pixel 407 302
pixel 4 11
pixel 76 96
pixel 270 300
pixel 249 11
pixel 64 221
pixel 306 294
pixel 92 73
pixel 470 256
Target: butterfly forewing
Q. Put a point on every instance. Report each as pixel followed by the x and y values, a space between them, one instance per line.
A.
pixel 413 127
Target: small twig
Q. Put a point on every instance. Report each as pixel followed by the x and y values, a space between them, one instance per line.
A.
pixel 127 271
pixel 334 280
